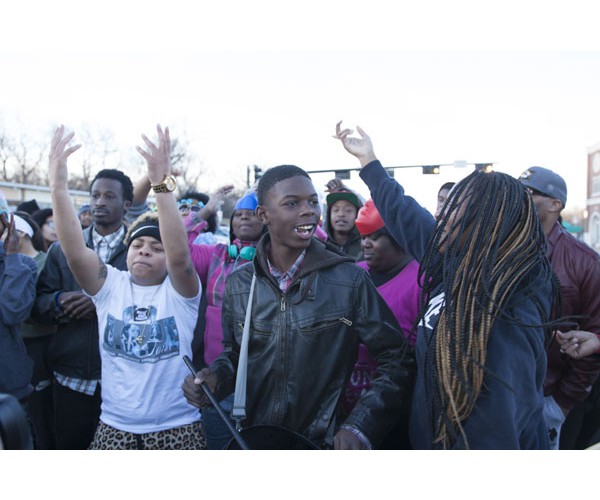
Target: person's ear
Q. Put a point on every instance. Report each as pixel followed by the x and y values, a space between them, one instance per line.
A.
pixel 555 205
pixel 262 214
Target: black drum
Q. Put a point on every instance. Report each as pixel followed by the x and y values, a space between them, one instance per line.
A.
pixel 272 437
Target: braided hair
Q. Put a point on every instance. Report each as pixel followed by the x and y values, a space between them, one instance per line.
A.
pixel 487 246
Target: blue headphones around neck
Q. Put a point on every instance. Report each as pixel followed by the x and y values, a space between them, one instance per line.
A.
pixel 246 253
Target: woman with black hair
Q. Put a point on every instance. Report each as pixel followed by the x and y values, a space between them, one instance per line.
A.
pixel 442 196
pixel 486 300
pixel 44 218
pixel 31 241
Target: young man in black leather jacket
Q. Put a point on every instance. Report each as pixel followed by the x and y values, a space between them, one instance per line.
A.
pixel 310 309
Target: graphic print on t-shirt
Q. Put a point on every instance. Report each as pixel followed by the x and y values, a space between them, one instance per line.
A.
pixel 146 342
pixel 433 312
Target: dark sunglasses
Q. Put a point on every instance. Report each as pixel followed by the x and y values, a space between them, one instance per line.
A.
pixel 536 192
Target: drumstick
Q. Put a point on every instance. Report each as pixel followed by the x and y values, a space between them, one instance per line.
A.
pixel 215 403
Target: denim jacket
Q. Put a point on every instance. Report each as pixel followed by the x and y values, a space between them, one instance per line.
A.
pixel 17 293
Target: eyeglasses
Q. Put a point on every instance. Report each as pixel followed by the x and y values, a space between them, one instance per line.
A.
pixel 188 204
pixel 533 192
pixel 193 208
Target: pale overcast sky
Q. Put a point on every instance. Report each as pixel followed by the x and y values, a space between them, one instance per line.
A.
pixel 268 97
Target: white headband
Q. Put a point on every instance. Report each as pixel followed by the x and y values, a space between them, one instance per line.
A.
pixel 22 225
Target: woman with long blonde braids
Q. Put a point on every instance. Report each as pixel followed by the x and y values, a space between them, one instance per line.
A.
pixel 485 307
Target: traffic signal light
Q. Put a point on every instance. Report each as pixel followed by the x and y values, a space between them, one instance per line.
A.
pixel 342 174
pixel 257 173
pixel 484 167
pixel 431 169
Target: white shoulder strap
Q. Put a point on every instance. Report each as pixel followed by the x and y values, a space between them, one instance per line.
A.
pixel 238 413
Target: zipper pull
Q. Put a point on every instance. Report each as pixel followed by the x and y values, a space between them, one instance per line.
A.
pixel 282 304
pixel 346 321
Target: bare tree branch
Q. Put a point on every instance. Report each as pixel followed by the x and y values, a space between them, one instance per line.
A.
pixel 5 154
pixel 28 156
pixel 99 152
pixel 185 163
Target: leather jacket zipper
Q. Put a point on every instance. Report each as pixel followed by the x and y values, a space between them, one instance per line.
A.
pixel 281 382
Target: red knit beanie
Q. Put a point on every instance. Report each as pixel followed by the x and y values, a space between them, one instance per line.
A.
pixel 368 220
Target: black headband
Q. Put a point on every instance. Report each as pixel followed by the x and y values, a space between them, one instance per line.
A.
pixel 149 230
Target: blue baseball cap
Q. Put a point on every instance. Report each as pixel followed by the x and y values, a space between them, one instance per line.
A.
pixel 546 182
pixel 247 202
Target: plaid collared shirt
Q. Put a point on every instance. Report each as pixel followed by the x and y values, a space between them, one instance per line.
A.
pixel 285 279
pixel 87 387
pixel 105 245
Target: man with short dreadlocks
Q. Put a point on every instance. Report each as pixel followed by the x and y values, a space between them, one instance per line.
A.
pixel 485 305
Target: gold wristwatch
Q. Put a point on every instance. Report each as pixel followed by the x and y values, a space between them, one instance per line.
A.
pixel 167 185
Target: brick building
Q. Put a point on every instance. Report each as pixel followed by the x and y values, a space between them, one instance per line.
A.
pixel 592 226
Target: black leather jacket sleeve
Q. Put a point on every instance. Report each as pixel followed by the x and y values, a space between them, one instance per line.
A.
pixel 390 395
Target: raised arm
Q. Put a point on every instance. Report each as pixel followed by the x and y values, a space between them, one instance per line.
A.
pixel 361 147
pixel 212 206
pixel 86 266
pixel 172 231
pixel 408 222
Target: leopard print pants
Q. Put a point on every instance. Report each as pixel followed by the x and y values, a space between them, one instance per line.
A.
pixel 186 437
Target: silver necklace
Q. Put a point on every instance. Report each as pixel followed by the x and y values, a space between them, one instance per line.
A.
pixel 139 314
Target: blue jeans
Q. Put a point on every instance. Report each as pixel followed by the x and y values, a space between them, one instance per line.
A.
pixel 215 430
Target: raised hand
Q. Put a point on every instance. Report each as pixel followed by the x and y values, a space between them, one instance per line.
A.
pixel 223 191
pixel 58 173
pixel 361 147
pixel 216 200
pixel 11 243
pixel 335 185
pixel 158 158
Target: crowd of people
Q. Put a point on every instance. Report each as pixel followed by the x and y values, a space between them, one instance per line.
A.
pixel 367 324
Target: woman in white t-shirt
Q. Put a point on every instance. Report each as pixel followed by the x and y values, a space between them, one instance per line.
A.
pixel 146 315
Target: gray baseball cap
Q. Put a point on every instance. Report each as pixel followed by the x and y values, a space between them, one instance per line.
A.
pixel 546 182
